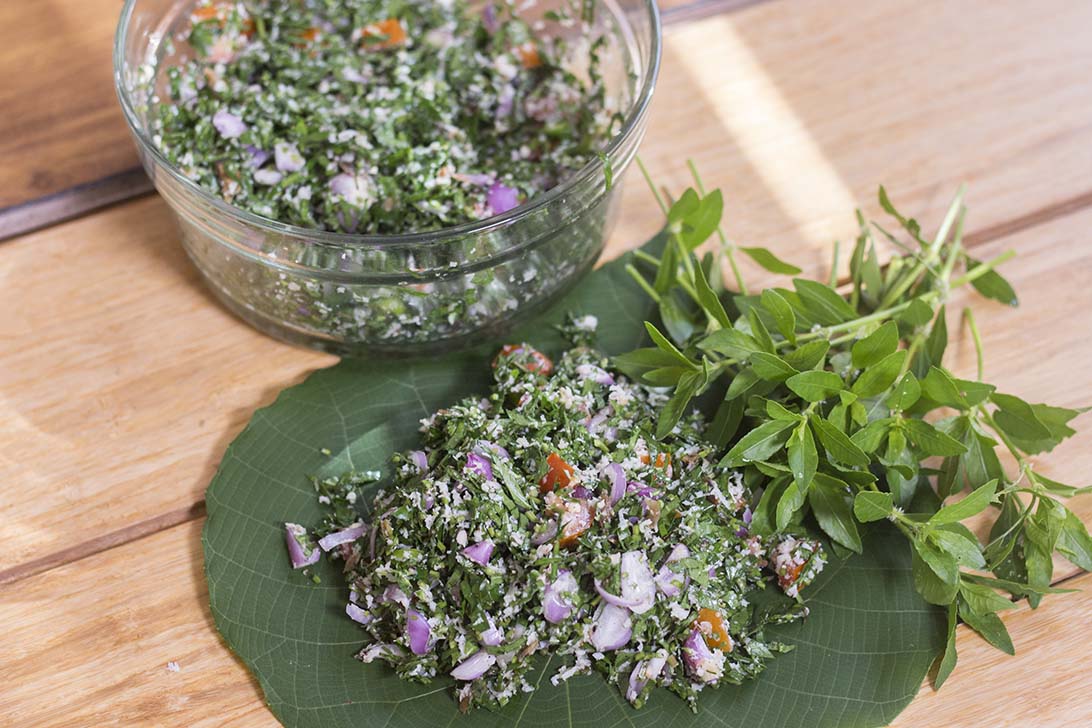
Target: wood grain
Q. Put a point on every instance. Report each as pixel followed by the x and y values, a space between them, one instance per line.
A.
pixel 89 644
pixel 62 126
pixel 123 381
pixel 64 143
pixel 1043 685
pixel 798 112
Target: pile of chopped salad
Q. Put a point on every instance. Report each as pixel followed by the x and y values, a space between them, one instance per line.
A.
pixel 380 116
pixel 547 518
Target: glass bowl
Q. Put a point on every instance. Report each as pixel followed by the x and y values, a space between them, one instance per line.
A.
pixel 396 294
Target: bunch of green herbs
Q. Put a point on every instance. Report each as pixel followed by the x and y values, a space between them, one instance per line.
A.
pixel 835 402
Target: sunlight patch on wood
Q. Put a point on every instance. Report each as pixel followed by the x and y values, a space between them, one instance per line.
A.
pixel 764 127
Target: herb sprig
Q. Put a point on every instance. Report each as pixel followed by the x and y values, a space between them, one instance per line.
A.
pixel 835 401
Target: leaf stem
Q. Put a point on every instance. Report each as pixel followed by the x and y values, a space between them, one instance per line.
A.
pixel 968 316
pixel 652 186
pixel 636 274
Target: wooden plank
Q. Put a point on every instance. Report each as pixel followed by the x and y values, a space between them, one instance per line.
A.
pixel 62 126
pixel 94 639
pixel 123 382
pixel 64 143
pixel 1043 685
pixel 798 112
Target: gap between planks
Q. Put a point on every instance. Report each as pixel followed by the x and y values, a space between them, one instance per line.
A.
pixel 88 197
pixel 196 511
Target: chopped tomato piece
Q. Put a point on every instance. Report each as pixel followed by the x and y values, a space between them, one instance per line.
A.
pixel 384 34
pixel 788 577
pixel 558 474
pixel 663 459
pixel 576 520
pixel 248 28
pixel 528 55
pixel 307 37
pixel 529 358
pixel 206 12
pixel 711 624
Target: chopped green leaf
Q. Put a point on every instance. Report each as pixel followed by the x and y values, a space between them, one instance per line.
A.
pixel 770 262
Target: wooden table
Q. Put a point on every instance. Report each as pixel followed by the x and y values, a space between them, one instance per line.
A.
pixel 121 381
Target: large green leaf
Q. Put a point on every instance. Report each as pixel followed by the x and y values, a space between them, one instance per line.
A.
pixel 859 657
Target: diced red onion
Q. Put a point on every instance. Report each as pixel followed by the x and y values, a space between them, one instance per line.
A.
pixel 354 190
pixel 640 489
pixel 668 580
pixel 617 482
pixel 489 18
pixel 678 552
pixel 492 636
pixel 697 656
pixel 357 614
pixel 258 157
pixel 557 602
pixel 644 671
pixel 480 553
pixel 581 492
pixel 418 632
pixel 638 586
pixel 293 534
pixel 598 419
pixel 287 157
pixel 613 599
pixel 506 99
pixel 546 534
pixel 418 458
pixel 393 594
pixel 611 629
pixel 484 446
pixel 742 532
pixel 474 666
pixel 747 515
pixel 380 651
pixel 596 374
pixel 267 177
pixel 501 198
pixel 475 463
pixel 345 535
pixel 228 124
pixel 342 184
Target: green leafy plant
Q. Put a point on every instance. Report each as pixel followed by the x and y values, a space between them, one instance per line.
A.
pixel 835 401
pixel 859 657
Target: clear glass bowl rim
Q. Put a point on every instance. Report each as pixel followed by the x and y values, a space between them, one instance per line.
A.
pixel 630 125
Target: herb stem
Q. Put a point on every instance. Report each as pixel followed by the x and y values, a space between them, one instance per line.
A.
pixel 652 186
pixel 652 293
pixel 834 265
pixel 968 316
